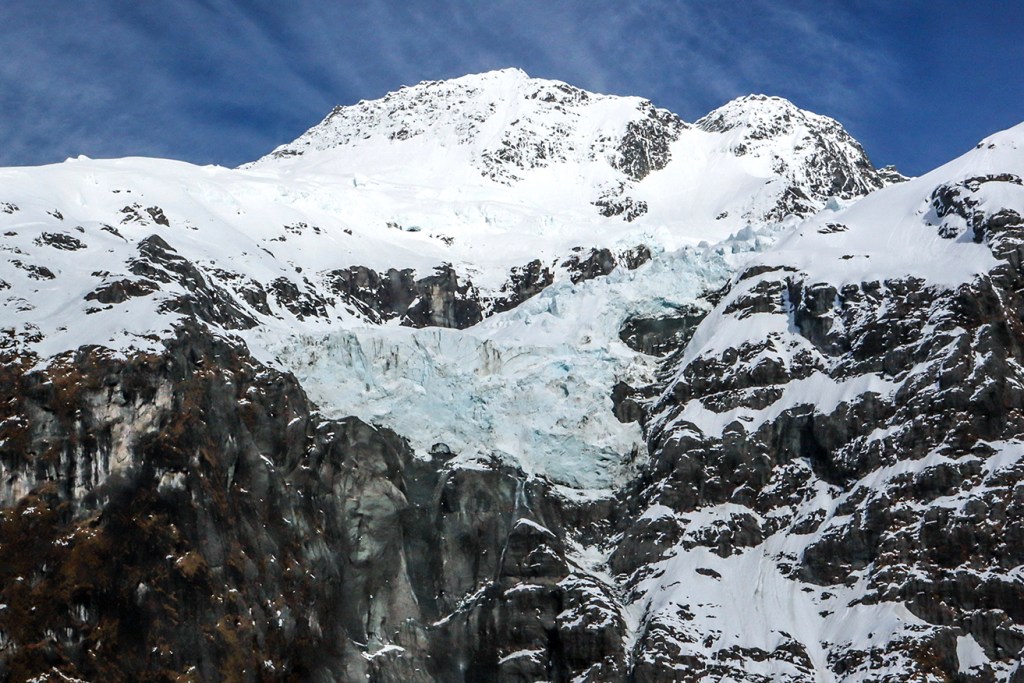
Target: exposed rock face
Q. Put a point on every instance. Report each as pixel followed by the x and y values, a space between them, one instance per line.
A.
pixel 661 335
pixel 188 515
pixel 438 300
pixel 524 611
pixel 596 263
pixel 645 146
pixel 891 175
pixel 523 283
pixel 615 202
pixel 901 492
pixel 158 262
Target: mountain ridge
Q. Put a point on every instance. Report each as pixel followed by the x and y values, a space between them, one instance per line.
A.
pixel 347 228
pixel 512 123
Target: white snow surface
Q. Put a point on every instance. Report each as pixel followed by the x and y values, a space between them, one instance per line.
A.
pixel 893 232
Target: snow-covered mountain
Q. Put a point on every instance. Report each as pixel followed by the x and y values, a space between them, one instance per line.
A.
pixel 651 401
pixel 492 194
pixel 557 147
pixel 309 235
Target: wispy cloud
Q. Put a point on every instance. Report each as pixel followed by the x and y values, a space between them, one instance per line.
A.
pixel 226 80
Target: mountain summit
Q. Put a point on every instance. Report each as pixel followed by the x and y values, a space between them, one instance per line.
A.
pixel 512 129
pixel 823 159
pixel 504 124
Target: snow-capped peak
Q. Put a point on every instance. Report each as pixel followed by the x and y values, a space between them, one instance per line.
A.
pixel 756 113
pixel 813 151
pixel 619 157
pixel 502 123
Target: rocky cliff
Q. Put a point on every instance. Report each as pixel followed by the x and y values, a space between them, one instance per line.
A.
pixel 189 515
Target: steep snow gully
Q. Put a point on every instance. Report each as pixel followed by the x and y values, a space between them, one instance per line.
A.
pixel 496 379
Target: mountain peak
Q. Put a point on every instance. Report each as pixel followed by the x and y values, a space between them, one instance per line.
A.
pixel 764 114
pixel 509 77
pixel 829 161
pixel 502 123
pixel 509 73
pixel 509 128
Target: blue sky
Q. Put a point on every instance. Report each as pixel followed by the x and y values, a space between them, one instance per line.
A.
pixel 225 81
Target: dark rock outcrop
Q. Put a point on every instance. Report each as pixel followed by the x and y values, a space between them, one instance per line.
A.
pixel 120 291
pixel 61 241
pixel 616 203
pixel 523 283
pixel 658 336
pixel 922 463
pixel 189 515
pixel 644 148
pixel 202 298
pixel 439 300
pixel 595 263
